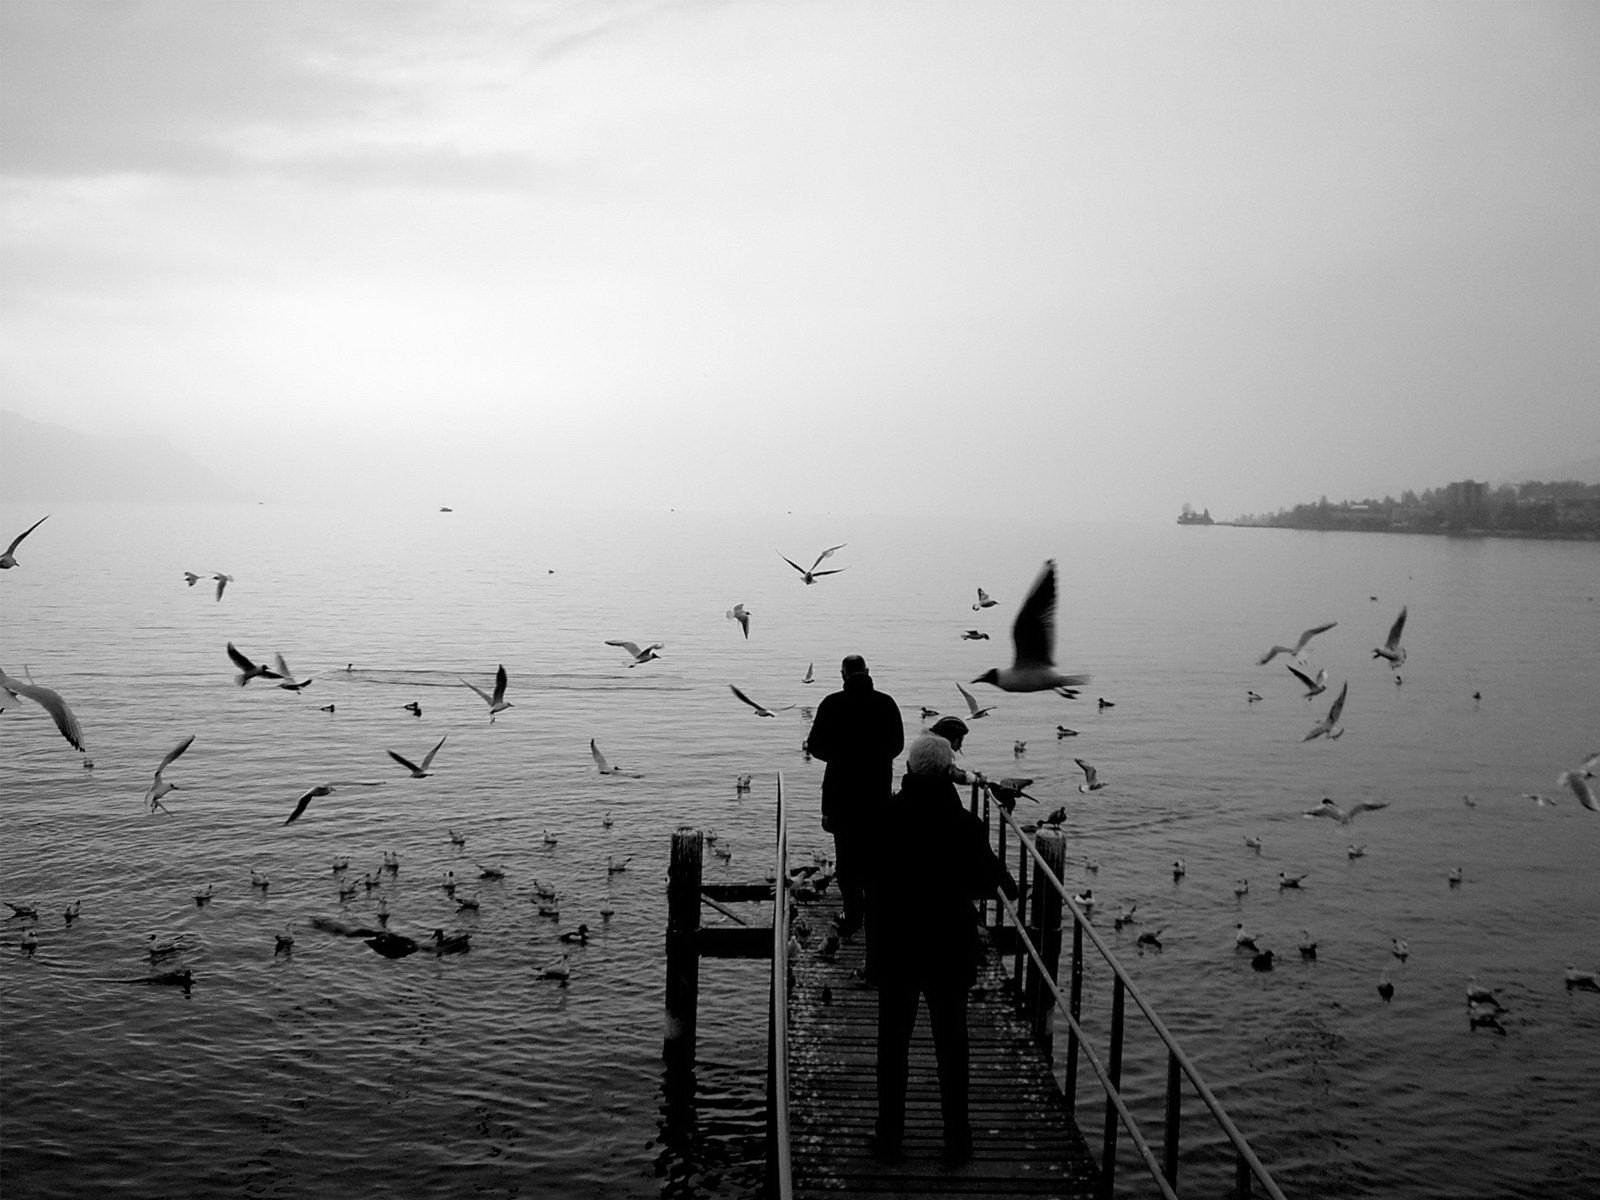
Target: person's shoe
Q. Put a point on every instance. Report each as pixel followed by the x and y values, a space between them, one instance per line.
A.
pixel 886 1149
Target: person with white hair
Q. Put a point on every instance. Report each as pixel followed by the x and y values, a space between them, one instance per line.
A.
pixel 932 861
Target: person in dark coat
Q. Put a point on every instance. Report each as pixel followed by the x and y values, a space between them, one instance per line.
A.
pixel 858 733
pixel 931 862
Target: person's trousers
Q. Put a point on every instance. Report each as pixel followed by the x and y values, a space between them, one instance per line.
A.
pixel 851 848
pixel 947 1017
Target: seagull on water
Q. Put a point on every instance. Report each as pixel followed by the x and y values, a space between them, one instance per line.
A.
pixel 417 772
pixel 1243 940
pixel 247 669
pixel 1286 880
pixel 640 656
pixel 327 789
pixel 159 787
pixel 1180 868
pixel 1308 948
pixel 1355 851
pixel 740 614
pixel 1345 815
pixel 1583 981
pixel 288 683
pixel 1314 687
pixel 1294 651
pixel 1151 938
pixel 560 971
pixel 51 702
pixel 1033 638
pixel 1477 994
pixel 1253 842
pixel 1330 724
pixel 1391 649
pixel 1063 732
pixel 1453 877
pixel 497 703
pixel 1091 778
pixel 1399 948
pixel 974 708
pixel 811 575
pixel 605 767
pixel 222 583
pixel 761 711
pixel 1385 988
pixel 9 558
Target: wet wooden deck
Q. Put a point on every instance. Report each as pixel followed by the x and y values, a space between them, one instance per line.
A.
pixel 1024 1140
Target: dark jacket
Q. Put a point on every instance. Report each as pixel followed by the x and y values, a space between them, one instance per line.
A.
pixel 931 861
pixel 858 733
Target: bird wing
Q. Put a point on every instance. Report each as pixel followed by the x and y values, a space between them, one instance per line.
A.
pixel 1033 634
pixel 304 801
pixel 1273 653
pixel 1579 783
pixel 1367 806
pixel 599 759
pixel 17 541
pixel 1301 676
pixel 745 698
pixel 51 702
pixel 631 647
pixel 240 661
pixel 1311 633
pixel 222 582
pixel 792 563
pixel 1338 705
pixel 814 573
pixel 428 758
pixel 283 667
pixel 972 701
pixel 406 763
pixel 828 553
pixel 1395 630
pixel 1088 771
pixel 500 684
pixel 175 753
pixel 487 699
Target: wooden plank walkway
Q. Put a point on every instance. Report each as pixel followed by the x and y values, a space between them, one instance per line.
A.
pixel 1024 1141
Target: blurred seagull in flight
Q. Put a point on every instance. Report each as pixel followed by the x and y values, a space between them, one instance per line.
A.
pixel 1327 808
pixel 1033 638
pixel 1091 778
pixel 761 711
pixel 811 575
pixel 639 656
pixel 327 789
pixel 417 772
pixel 1578 781
pixel 1330 724
pixel 51 702
pixel 974 635
pixel 1294 650
pixel 977 710
pixel 605 767
pixel 248 670
pixel 1391 649
pixel 740 614
pixel 497 703
pixel 983 601
pixel 222 583
pixel 191 578
pixel 1314 687
pixel 159 787
pixel 9 558
pixel 288 683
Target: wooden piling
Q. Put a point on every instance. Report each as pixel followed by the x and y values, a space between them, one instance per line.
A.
pixel 1052 846
pixel 683 945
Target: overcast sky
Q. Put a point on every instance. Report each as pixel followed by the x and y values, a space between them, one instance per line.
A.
pixel 1070 259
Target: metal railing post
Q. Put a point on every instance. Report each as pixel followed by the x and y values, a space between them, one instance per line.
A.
pixel 1108 1152
pixel 1075 1008
pixel 1169 1148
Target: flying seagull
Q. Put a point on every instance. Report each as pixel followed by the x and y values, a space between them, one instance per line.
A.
pixel 51 702
pixel 327 789
pixel 248 669
pixel 811 575
pixel 741 614
pixel 288 683
pixel 1391 649
pixel 417 772
pixel 761 711
pixel 497 703
pixel 605 767
pixel 1006 791
pixel 9 558
pixel 1345 815
pixel 1314 687
pixel 976 710
pixel 983 601
pixel 1330 724
pixel 191 578
pixel 1033 637
pixel 1091 778
pixel 159 787
pixel 639 656
pixel 222 583
pixel 1578 781
pixel 1294 651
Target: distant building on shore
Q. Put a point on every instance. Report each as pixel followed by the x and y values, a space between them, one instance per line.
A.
pixel 1189 517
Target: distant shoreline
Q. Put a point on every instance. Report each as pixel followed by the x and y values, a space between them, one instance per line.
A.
pixel 1537 535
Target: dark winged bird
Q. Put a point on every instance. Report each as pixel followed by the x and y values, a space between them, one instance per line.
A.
pixel 417 772
pixel 1329 724
pixel 809 575
pixel 1314 687
pixel 9 558
pixel 761 710
pixel 327 789
pixel 1033 637
pixel 497 703
pixel 1294 650
pixel 639 655
pixel 159 787
pixel 1091 778
pixel 248 670
pixel 50 701
pixel 983 601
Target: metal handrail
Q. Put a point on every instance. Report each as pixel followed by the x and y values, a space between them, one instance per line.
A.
pixel 780 1005
pixel 1246 1156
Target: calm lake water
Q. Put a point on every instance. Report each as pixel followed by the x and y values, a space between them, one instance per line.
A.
pixel 330 1069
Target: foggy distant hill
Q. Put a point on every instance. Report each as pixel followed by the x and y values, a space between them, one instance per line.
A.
pixel 1584 470
pixel 40 461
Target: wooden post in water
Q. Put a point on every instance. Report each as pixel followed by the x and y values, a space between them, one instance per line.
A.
pixel 1052 845
pixel 683 953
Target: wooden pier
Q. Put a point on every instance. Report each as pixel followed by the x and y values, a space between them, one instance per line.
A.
pixel 1024 1140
